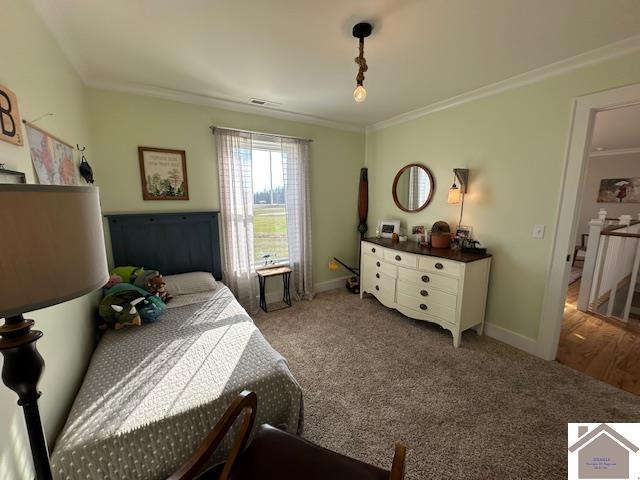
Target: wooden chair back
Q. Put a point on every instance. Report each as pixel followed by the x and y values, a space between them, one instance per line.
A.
pixel 398 465
pixel 246 402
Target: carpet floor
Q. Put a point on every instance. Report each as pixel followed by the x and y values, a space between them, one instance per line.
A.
pixel 371 376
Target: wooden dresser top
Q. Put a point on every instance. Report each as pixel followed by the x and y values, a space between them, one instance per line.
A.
pixel 414 247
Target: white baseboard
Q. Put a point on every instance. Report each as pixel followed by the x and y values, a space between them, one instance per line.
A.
pixel 330 284
pixel 512 338
pixel 339 282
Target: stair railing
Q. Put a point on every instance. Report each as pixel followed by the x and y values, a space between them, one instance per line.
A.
pixel 611 263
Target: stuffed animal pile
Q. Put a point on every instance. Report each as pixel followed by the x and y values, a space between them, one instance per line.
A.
pixel 132 296
pixel 152 281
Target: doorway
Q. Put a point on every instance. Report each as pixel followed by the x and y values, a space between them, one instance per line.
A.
pixel 573 183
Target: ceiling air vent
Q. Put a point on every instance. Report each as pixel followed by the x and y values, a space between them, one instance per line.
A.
pixel 264 103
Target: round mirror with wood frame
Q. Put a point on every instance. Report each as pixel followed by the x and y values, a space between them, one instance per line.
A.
pixel 413 188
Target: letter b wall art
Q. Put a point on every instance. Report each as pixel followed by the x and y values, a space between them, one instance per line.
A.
pixel 10 125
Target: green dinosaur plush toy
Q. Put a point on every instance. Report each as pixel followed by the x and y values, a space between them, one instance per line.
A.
pixel 125 315
pixel 125 304
pixel 128 274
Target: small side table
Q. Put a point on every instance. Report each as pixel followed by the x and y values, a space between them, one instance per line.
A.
pixel 264 273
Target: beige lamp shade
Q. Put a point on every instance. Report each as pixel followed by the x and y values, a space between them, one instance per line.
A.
pixel 51 246
pixel 454 195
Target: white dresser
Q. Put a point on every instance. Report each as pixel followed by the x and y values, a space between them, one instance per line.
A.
pixel 441 286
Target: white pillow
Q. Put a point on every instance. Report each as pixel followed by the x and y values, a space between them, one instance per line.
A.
pixel 192 282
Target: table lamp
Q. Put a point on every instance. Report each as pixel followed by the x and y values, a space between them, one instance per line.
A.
pixel 51 250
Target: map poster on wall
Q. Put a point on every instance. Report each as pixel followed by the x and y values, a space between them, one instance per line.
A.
pixel 9 117
pixel 619 190
pixel 163 174
pixel 52 158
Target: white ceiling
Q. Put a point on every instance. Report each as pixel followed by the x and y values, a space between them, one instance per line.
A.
pixel 617 129
pixel 300 52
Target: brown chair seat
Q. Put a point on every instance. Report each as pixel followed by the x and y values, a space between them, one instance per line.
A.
pixel 275 454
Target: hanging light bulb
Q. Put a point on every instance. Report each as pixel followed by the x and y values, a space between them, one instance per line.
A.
pixel 360 94
pixel 361 31
pixel 454 194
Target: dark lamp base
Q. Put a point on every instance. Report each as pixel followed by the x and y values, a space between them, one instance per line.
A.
pixel 21 371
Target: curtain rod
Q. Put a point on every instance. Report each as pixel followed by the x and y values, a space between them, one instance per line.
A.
pixel 213 129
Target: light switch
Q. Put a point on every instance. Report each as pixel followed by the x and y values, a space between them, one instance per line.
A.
pixel 538 231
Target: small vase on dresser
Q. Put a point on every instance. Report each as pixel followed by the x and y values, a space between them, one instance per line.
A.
pixel 443 286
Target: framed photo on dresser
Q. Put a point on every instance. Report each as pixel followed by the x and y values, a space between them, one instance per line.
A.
pixel 388 227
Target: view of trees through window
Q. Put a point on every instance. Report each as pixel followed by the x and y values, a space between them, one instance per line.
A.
pixel 269 220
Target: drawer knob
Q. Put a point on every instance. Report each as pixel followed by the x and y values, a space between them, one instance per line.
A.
pixel 377 275
pixel 423 306
pixel 377 264
pixel 398 258
pixel 425 278
pixel 377 287
pixel 424 293
pixel 439 266
pixel 373 250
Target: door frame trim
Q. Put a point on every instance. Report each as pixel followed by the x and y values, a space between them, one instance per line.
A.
pixel 573 178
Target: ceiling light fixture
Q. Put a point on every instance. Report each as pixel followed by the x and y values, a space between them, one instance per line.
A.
pixel 361 31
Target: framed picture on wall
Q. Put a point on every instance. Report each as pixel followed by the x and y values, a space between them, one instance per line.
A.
pixel 619 190
pixel 163 174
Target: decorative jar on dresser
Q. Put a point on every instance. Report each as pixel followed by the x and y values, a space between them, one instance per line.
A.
pixel 447 287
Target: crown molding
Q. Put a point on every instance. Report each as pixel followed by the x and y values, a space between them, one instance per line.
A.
pixel 607 52
pixel 615 151
pixel 57 28
pixel 206 100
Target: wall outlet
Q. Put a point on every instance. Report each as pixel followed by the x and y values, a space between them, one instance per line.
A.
pixel 538 231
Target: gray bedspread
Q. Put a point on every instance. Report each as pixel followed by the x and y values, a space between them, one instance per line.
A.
pixel 152 393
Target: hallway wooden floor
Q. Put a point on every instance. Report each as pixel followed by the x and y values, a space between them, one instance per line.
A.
pixel 607 351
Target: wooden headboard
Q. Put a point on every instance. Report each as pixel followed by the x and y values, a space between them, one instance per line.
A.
pixel 168 242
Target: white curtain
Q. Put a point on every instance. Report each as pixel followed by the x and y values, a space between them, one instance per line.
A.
pixel 295 159
pixel 236 208
pixel 236 205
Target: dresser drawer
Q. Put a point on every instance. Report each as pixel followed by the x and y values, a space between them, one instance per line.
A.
pixel 427 307
pixel 382 283
pixel 424 292
pixel 382 286
pixel 377 265
pixel 440 265
pixel 372 249
pixel 440 282
pixel 401 258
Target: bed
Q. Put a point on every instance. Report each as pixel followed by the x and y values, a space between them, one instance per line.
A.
pixel 152 393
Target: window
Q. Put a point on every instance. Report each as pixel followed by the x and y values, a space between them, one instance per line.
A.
pixel 269 218
pixel 265 209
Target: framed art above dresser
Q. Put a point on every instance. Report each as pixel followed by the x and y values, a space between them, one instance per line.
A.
pixel 443 286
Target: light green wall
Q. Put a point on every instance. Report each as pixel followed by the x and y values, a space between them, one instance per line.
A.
pixel 35 69
pixel 515 144
pixel 120 122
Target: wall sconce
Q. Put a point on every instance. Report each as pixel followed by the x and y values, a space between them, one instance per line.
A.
pixel 456 194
